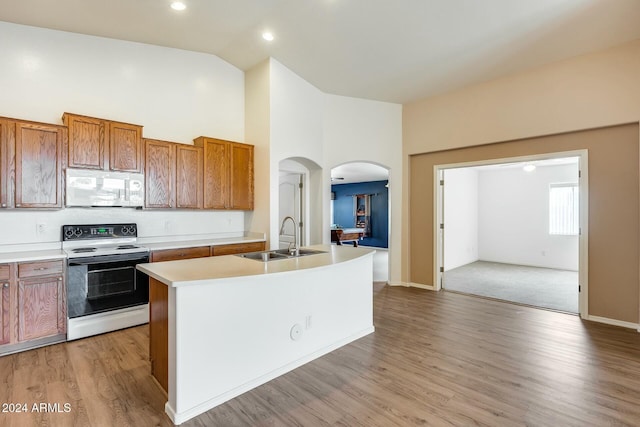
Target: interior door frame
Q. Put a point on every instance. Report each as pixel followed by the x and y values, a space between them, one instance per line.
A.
pixel 302 220
pixel 583 238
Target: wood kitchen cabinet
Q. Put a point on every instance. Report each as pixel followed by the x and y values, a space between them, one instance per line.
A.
pixel 228 174
pixel 7 162
pixel 189 177
pixel 96 143
pixel 180 253
pixel 173 175
pixel 160 174
pixel 41 303
pixel 38 165
pixel 237 248
pixel 5 303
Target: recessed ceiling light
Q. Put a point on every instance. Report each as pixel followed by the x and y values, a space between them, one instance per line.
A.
pixel 178 5
pixel 267 36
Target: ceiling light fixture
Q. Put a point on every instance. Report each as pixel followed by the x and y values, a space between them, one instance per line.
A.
pixel 529 168
pixel 178 5
pixel 267 36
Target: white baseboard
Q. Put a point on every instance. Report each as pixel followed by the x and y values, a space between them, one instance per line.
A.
pixel 413 285
pixel 614 322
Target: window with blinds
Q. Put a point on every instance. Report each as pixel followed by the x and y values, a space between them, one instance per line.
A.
pixel 564 217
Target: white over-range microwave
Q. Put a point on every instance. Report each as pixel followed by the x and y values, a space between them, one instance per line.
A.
pixel 92 188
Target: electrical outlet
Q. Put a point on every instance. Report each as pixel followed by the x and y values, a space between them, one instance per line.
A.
pixel 41 228
pixel 308 322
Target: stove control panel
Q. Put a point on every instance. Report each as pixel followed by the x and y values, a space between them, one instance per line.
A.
pixel 98 231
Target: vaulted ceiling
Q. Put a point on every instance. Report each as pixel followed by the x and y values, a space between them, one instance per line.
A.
pixel 396 51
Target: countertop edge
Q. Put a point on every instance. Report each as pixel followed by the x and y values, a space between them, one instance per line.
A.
pixel 182 283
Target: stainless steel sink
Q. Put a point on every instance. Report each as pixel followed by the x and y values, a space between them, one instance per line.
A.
pixel 301 252
pixel 279 254
pixel 263 256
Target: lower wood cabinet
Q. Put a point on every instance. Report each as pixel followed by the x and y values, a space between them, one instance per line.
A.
pixel 41 308
pixel 5 305
pixel 237 248
pixel 205 251
pixel 181 253
pixel 159 332
pixel 32 305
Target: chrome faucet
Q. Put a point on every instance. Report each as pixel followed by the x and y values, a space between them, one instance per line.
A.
pixel 296 245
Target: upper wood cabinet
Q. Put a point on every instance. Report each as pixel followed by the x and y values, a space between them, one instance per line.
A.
pixel 160 173
pixel 7 162
pixel 173 175
pixel 86 141
pixel 103 144
pixel 125 147
pixel 189 177
pixel 38 165
pixel 241 176
pixel 228 174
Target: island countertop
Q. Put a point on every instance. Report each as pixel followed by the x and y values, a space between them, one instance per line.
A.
pixel 200 270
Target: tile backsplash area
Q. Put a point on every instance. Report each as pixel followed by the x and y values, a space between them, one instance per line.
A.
pixel 27 226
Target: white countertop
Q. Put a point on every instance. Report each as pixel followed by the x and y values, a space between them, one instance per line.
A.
pixel 200 270
pixel 177 244
pixel 23 256
pixel 24 253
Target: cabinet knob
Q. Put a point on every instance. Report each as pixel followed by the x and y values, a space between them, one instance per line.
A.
pixel 4 205
pixel 59 279
pixel 41 268
pixel 18 205
pixel 5 285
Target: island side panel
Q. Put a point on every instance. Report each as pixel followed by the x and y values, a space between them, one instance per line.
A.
pixel 235 334
pixel 159 332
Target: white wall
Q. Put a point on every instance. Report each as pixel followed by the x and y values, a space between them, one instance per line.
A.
pixel 176 95
pixel 296 111
pixel 514 218
pixel 460 217
pixel 360 130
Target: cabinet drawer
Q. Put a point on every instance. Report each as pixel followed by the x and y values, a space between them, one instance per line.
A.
pixel 182 253
pixel 40 268
pixel 238 248
pixel 4 272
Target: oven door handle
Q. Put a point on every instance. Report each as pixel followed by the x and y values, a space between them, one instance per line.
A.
pixel 101 259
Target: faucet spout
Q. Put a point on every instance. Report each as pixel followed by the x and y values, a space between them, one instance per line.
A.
pixel 296 248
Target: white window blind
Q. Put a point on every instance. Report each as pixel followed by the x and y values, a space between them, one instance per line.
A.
pixel 564 211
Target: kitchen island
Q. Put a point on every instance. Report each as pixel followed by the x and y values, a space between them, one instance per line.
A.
pixel 221 326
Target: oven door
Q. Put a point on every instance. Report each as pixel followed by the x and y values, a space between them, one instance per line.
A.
pixel 102 283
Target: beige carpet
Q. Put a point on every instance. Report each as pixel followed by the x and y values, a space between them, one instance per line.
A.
pixel 539 287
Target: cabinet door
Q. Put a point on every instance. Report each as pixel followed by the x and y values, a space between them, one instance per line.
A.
pixel 189 176
pixel 7 162
pixel 237 248
pixel 180 253
pixel 216 174
pixel 241 176
pixel 160 161
pixel 41 308
pixel 5 307
pixel 38 165
pixel 125 147
pixel 86 141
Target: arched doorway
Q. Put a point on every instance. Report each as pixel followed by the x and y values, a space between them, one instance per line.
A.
pixel 299 196
pixel 360 210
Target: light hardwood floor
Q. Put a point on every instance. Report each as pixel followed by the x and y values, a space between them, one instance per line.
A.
pixel 435 359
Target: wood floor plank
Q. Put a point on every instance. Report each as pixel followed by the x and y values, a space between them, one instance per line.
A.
pixel 435 359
